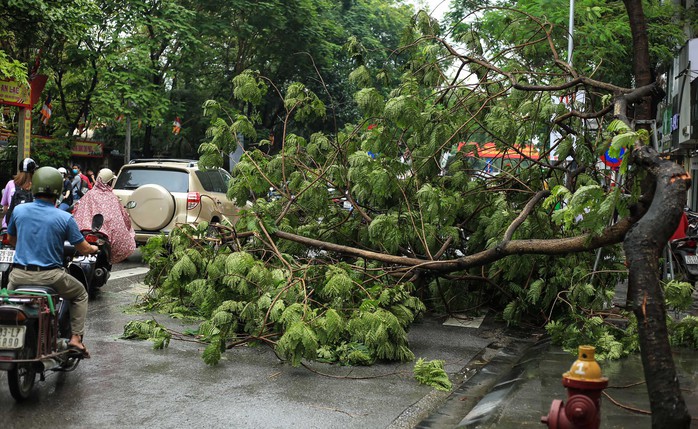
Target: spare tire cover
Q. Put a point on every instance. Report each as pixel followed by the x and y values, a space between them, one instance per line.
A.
pixel 151 207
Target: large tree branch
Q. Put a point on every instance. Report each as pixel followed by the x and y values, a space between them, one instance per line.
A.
pixel 611 235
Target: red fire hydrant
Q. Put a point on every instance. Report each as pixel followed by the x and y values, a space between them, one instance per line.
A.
pixel 584 384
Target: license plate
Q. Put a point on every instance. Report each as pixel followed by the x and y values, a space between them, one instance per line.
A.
pixel 691 259
pixel 7 255
pixel 12 337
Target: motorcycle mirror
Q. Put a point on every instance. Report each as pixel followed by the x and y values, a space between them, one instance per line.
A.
pixel 97 222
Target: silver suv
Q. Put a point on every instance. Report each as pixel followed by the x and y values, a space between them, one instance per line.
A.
pixel 161 193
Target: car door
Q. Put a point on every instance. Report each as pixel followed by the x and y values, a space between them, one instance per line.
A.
pixel 215 202
pixel 220 179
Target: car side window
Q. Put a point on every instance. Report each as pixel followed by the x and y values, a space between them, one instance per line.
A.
pixel 205 179
pixel 212 181
pixel 218 184
pixel 226 178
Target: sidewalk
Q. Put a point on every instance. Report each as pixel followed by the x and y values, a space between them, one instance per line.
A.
pixel 524 392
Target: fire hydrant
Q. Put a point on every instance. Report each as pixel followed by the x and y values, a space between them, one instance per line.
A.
pixel 584 385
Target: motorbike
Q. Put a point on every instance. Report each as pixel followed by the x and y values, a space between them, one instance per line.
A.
pixel 92 271
pixel 6 256
pixel 681 258
pixel 35 330
pixel 692 218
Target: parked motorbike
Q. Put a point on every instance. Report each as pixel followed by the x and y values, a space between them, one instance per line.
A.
pixel 35 330
pixel 692 218
pixel 681 258
pixel 91 270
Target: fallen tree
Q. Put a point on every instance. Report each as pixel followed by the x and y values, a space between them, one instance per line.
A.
pixel 348 236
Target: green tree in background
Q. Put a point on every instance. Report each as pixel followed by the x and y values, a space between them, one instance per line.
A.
pixel 151 61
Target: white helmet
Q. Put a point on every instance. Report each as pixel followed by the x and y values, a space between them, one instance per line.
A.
pixel 105 175
pixel 62 170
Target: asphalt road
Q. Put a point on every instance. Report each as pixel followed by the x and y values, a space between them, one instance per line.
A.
pixel 127 384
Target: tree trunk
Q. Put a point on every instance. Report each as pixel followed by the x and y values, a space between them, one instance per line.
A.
pixel 641 57
pixel 147 142
pixel 643 246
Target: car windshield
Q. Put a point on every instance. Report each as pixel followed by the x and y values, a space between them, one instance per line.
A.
pixel 172 180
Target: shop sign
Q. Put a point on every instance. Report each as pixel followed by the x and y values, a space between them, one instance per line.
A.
pixel 15 93
pixel 88 149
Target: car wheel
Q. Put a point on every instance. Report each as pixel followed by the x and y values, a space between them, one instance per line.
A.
pixel 151 207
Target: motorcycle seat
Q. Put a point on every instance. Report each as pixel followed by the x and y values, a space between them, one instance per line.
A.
pixel 40 289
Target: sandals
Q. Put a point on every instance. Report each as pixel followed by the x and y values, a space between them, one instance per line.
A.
pixel 80 350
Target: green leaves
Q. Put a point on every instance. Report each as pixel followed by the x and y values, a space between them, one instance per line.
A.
pixel 149 330
pixel 384 231
pixel 370 101
pixel 404 111
pixel 360 77
pixel 299 341
pixel 678 295
pixel 684 332
pixel 432 374
pixel 303 103
pixel 12 69
pixel 350 319
pixel 339 284
pixel 239 263
pixel 247 88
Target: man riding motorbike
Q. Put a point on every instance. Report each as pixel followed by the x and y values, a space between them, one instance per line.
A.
pixel 38 230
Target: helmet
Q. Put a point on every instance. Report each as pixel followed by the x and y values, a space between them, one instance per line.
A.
pixel 105 175
pixel 62 170
pixel 27 165
pixel 47 181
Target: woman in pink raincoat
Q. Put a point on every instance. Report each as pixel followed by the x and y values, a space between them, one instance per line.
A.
pixel 117 224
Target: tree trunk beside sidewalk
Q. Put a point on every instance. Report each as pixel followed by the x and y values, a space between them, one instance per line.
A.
pixel 643 246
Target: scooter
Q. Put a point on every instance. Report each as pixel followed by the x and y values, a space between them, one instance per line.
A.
pixel 6 256
pixel 682 260
pixel 34 334
pixel 92 271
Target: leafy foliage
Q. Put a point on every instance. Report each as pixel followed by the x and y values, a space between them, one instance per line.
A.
pixel 684 332
pixel 239 296
pixel 147 330
pixel 432 374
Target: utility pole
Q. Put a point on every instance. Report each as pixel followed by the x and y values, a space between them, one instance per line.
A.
pixel 570 42
pixel 127 143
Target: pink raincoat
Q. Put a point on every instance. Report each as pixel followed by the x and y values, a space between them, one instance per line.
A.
pixel 117 225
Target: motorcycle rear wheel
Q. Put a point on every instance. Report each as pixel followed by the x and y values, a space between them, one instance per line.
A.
pixel 22 377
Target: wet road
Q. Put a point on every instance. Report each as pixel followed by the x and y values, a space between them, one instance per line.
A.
pixel 126 384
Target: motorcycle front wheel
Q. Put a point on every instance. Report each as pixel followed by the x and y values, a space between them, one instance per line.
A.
pixel 21 378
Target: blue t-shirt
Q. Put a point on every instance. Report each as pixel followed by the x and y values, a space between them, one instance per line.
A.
pixel 41 230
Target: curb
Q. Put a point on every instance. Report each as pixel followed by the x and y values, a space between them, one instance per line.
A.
pixel 487 379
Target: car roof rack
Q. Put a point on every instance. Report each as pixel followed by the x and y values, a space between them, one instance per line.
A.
pixel 189 162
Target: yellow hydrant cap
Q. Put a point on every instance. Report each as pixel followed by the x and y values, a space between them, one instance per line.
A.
pixel 585 368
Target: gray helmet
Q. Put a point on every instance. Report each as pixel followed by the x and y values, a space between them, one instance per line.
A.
pixel 47 181
pixel 105 175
